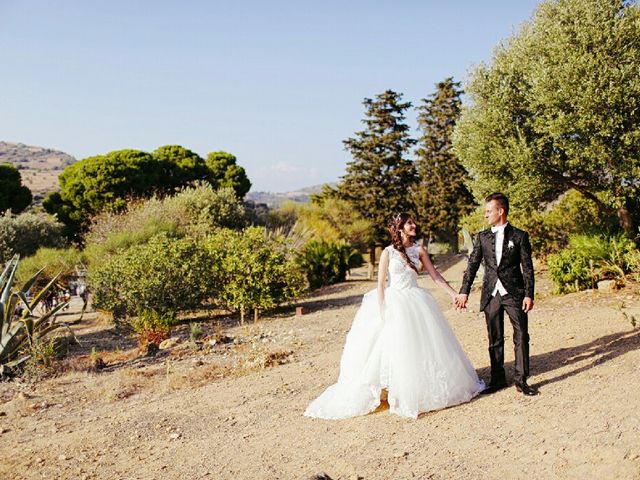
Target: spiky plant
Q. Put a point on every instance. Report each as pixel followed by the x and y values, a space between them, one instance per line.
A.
pixel 20 333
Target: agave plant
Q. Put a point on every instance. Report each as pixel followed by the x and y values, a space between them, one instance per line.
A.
pixel 20 333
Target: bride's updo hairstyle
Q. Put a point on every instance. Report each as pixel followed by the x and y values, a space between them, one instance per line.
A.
pixel 396 224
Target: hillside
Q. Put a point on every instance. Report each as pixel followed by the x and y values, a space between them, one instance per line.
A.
pixel 38 166
pixel 275 199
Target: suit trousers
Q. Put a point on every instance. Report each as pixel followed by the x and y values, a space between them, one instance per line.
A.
pixel 494 313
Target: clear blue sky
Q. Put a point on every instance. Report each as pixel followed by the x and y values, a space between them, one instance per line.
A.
pixel 279 84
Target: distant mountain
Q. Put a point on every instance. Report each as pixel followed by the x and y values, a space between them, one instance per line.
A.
pixel 38 166
pixel 275 199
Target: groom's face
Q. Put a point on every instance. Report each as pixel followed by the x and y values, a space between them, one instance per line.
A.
pixel 493 213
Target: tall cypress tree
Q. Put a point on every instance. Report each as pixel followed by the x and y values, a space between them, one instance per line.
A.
pixel 378 179
pixel 440 195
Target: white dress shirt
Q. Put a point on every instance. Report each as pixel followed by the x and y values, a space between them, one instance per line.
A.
pixel 498 231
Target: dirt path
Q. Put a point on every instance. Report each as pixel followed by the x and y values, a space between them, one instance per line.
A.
pixel 233 411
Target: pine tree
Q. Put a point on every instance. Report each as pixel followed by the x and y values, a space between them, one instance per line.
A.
pixel 440 194
pixel 14 195
pixel 379 177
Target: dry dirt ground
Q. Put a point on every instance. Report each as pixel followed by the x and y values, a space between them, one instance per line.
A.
pixel 232 409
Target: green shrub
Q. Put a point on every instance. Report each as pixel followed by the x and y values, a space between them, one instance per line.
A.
pixel 570 270
pixel 333 219
pixel 53 261
pixel 195 331
pixel 26 233
pixel 327 262
pixel 165 276
pixel 590 258
pixel 121 240
pixel 141 221
pixel 152 326
pixel 257 269
pixel 40 364
pixel 194 211
pixel 206 209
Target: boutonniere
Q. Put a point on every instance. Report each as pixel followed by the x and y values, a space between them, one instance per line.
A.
pixel 510 245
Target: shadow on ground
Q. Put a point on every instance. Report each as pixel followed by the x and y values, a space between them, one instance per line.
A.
pixel 101 340
pixel 598 351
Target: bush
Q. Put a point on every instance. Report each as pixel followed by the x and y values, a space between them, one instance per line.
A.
pixel 590 258
pixel 205 208
pixel 117 232
pixel 327 262
pixel 195 210
pixel 333 219
pixel 54 261
pixel 152 327
pixel 257 270
pixel 26 233
pixel 165 276
pixel 570 270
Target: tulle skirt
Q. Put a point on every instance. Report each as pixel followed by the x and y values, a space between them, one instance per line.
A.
pixel 409 350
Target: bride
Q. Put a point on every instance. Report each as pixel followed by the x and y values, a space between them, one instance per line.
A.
pixel 400 344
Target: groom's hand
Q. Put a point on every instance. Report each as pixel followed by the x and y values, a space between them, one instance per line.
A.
pixel 527 304
pixel 461 301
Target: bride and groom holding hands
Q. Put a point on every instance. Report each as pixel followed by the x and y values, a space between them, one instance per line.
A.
pixel 401 347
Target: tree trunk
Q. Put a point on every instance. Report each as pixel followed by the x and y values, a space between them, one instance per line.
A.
pixel 255 315
pixel 242 315
pixel 625 218
pixel 626 221
pixel 372 261
pixel 452 240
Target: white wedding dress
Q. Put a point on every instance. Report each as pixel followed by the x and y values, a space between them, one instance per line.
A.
pixel 409 350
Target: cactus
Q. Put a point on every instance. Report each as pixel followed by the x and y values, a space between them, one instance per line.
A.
pixel 19 333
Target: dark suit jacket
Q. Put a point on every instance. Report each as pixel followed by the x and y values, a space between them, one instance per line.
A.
pixel 515 270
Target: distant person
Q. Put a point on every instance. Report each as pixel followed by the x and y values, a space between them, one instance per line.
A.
pixel 84 295
pixel 400 344
pixel 65 298
pixel 507 286
pixel 50 300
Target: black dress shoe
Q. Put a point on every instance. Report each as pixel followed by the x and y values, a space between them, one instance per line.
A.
pixel 525 389
pixel 493 388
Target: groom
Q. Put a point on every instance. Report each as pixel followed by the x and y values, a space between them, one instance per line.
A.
pixel 506 288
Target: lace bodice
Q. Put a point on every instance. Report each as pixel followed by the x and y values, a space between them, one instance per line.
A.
pixel 402 275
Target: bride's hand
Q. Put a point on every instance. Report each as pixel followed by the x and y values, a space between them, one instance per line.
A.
pixel 460 302
pixel 454 301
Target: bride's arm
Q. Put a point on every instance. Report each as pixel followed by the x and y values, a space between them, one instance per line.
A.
pixel 435 274
pixel 383 268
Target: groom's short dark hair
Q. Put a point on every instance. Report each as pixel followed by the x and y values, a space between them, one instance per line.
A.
pixel 502 200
